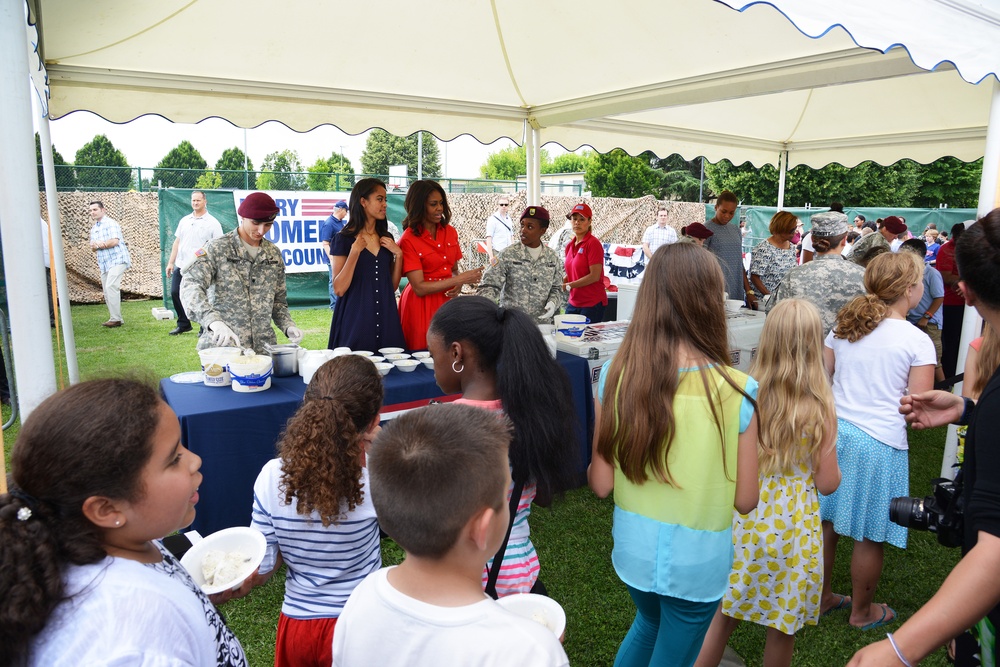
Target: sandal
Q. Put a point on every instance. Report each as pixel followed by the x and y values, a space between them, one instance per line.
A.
pixel 886 610
pixel 843 602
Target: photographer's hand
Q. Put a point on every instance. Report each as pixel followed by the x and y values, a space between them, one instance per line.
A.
pixel 931 408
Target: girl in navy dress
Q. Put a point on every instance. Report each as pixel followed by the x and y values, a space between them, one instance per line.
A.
pixel 367 266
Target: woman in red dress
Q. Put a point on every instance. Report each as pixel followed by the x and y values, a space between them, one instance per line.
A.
pixel 430 260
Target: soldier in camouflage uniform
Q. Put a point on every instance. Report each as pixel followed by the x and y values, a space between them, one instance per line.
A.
pixel 528 275
pixel 829 281
pixel 236 285
pixel 887 231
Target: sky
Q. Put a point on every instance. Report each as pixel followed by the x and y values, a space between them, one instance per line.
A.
pixel 146 140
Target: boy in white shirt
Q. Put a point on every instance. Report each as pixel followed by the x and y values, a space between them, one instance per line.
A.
pixel 439 479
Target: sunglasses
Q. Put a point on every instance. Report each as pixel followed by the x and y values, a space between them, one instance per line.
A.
pixel 504 204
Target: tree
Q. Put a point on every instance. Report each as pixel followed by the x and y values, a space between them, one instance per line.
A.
pixel 618 174
pixel 867 184
pixel 209 180
pixel 231 167
pixel 334 173
pixel 680 179
pixel 172 171
pixel 949 181
pixel 65 178
pixel 384 150
pixel 281 171
pixel 567 163
pixel 100 152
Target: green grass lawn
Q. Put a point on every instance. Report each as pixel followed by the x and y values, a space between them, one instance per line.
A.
pixel 573 538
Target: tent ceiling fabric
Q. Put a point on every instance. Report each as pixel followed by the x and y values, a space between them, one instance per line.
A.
pixel 687 76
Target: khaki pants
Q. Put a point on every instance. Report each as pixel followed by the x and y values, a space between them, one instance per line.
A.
pixel 112 283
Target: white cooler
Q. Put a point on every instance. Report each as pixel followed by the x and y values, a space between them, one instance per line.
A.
pixel 744 336
pixel 599 342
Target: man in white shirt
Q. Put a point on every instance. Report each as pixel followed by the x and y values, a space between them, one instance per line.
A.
pixel 659 234
pixel 499 230
pixel 193 232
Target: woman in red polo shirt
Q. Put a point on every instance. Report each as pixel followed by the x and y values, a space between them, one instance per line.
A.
pixel 585 268
pixel 430 260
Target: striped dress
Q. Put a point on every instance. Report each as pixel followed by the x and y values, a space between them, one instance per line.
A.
pixel 324 564
pixel 520 568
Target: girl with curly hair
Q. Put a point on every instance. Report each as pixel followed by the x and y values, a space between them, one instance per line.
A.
pixel 84 577
pixel 875 357
pixel 313 507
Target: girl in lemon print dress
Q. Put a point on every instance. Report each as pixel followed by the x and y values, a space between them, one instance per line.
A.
pixel 777 574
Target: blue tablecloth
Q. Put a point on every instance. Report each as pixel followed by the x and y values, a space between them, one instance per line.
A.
pixel 235 434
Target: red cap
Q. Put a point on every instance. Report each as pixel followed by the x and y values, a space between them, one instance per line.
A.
pixel 258 206
pixel 582 209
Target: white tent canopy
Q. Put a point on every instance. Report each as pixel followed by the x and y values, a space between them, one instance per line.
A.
pixel 694 77
pixel 686 76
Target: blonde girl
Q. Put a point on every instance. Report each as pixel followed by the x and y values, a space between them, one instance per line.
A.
pixel 313 507
pixel 780 543
pixel 874 359
pixel 677 443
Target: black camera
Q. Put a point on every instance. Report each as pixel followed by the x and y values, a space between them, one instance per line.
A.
pixel 941 512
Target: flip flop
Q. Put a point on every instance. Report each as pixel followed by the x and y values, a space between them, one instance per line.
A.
pixel 843 603
pixel 886 610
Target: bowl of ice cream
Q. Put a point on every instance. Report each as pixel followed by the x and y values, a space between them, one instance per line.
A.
pixel 538 608
pixel 397 356
pixel 223 560
pixel 384 367
pixel 385 351
pixel 423 354
pixel 406 365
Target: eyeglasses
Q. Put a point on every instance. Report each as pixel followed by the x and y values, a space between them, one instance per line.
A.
pixel 504 204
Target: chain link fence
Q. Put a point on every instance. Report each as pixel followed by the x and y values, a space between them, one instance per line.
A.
pixel 145 179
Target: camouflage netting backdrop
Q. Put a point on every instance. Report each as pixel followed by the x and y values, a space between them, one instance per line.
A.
pixel 615 221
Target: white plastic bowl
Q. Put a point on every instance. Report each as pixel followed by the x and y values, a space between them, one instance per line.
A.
pixel 539 608
pixel 733 305
pixel 341 350
pixel 399 356
pixel 363 353
pixel 375 359
pixel 248 541
pixel 428 362
pixel 389 350
pixel 384 368
pixel 406 365
pixel 421 355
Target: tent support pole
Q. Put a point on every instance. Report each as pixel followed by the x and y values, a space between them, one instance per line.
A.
pixel 536 166
pixel 29 317
pixel 420 156
pixel 782 171
pixel 972 323
pixel 58 258
pixel 529 163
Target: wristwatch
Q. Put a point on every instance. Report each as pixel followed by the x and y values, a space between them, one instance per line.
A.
pixel 928 316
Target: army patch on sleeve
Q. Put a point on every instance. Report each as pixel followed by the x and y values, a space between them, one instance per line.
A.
pixel 200 252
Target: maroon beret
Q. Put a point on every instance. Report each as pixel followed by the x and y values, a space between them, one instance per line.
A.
pixel 258 206
pixel 536 213
pixel 894 225
pixel 697 230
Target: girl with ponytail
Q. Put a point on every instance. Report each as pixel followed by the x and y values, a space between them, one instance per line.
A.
pixel 497 359
pixel 312 505
pixel 875 357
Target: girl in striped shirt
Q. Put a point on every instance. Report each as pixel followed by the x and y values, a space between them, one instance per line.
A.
pixel 312 506
pixel 496 358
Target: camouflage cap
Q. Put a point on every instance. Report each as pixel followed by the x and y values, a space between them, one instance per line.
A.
pixel 829 223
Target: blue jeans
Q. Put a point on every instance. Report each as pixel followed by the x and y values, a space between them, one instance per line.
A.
pixel 594 313
pixel 666 631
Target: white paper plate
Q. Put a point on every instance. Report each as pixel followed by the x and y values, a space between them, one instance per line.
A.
pixel 188 377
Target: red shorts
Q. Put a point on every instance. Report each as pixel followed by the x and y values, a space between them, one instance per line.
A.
pixel 304 643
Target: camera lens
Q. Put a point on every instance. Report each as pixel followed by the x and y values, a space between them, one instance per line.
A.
pixel 908 512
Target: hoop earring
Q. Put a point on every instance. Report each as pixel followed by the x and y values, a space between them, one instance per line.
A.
pixel 457 370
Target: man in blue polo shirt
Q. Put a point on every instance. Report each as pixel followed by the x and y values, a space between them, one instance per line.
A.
pixel 332 226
